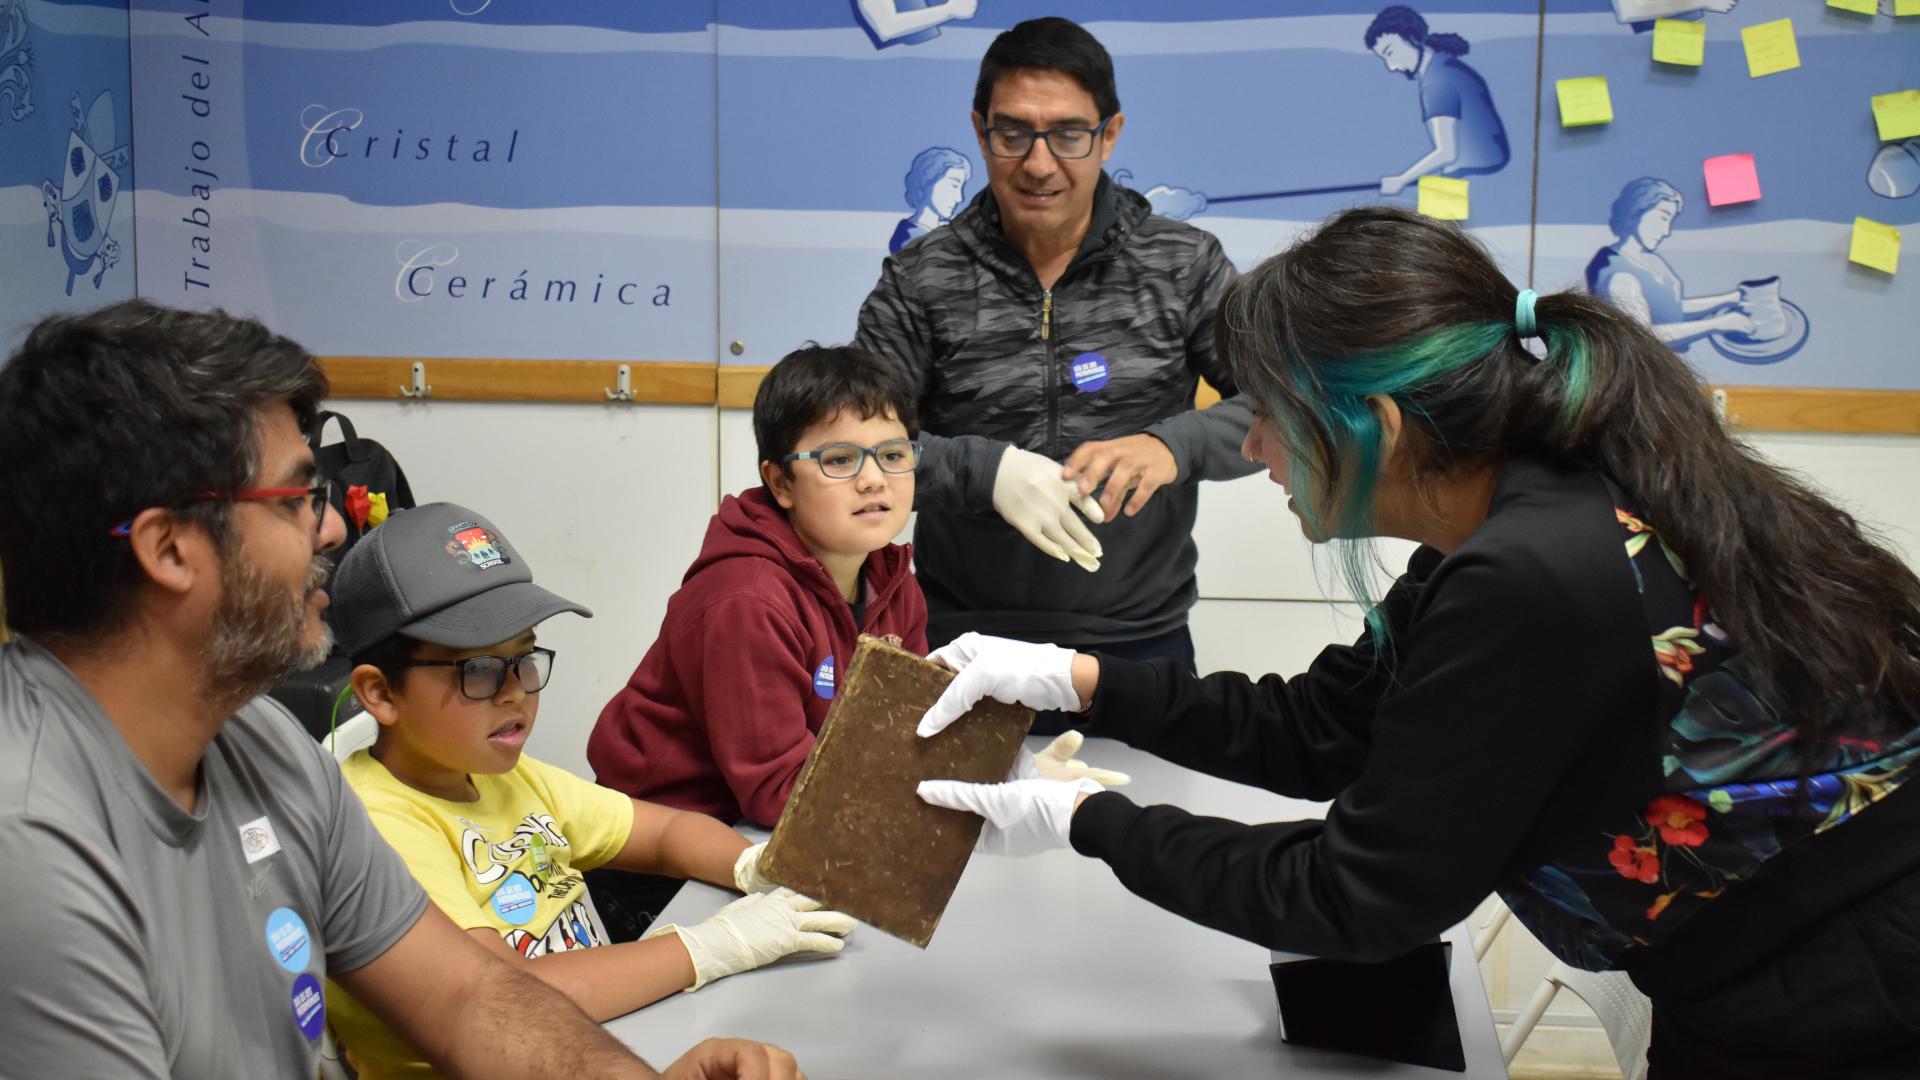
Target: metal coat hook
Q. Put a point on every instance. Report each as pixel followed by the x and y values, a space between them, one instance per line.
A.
pixel 622 384
pixel 419 389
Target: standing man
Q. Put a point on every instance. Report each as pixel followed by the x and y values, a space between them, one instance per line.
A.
pixel 184 865
pixel 1057 320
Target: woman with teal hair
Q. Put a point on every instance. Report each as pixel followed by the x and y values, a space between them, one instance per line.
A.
pixel 1658 693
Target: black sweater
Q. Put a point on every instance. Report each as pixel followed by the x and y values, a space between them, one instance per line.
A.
pixel 1522 734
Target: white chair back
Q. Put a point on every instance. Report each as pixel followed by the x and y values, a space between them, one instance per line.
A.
pixel 1625 1013
pixel 355 733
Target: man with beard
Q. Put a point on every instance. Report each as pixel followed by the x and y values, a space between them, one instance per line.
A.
pixel 184 866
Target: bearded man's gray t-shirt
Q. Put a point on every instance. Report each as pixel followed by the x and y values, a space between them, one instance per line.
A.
pixel 147 941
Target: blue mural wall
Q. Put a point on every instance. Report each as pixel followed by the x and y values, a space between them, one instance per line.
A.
pixel 1755 293
pixel 1246 123
pixel 66 165
pixel 467 178
pixel 719 180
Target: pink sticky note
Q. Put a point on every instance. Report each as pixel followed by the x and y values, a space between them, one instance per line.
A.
pixel 1731 179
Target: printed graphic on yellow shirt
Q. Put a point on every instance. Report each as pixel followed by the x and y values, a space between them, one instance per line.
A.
pixel 574 929
pixel 522 868
pixel 490 862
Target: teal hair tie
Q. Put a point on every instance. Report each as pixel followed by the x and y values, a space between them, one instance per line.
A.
pixel 1523 320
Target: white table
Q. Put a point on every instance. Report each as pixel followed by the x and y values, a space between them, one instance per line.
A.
pixel 1042 967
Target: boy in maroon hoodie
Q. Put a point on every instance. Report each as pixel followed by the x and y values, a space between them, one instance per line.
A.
pixel 722 712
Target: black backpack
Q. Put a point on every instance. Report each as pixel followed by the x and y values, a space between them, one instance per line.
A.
pixel 365 474
pixel 366 478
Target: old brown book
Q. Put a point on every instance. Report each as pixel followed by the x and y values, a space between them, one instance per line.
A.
pixel 855 835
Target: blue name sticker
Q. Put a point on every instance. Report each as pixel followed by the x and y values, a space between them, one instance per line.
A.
pixel 287 938
pixel 514 900
pixel 823 679
pixel 1090 372
pixel 309 1006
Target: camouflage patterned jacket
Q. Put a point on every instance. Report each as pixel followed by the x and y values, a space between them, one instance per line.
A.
pixel 993 359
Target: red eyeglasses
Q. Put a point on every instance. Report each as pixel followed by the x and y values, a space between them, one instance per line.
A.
pixel 318 496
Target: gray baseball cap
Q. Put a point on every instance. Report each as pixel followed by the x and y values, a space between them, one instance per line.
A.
pixel 442 574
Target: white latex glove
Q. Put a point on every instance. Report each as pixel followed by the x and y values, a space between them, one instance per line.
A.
pixel 746 871
pixel 1029 493
pixel 1057 762
pixel 756 930
pixel 1018 672
pixel 1024 817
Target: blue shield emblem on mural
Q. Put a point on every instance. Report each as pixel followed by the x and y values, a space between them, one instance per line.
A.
pixel 82 203
pixel 88 192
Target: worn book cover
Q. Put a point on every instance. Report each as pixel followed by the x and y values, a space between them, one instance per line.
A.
pixel 855 835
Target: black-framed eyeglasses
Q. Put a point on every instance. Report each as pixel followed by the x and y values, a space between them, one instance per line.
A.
pixel 1066 143
pixel 317 496
pixel 481 677
pixel 843 461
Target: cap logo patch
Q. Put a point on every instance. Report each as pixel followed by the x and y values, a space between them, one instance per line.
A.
pixel 475 546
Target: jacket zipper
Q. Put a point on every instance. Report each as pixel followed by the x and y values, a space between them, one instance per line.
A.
pixel 1052 376
pixel 879 601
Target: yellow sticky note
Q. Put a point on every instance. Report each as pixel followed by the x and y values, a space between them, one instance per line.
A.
pixel 1681 41
pixel 1875 245
pixel 1443 198
pixel 1906 7
pixel 1858 7
pixel 1770 48
pixel 1584 101
pixel 1897 115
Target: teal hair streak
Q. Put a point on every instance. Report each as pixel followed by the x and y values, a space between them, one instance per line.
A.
pixel 1340 392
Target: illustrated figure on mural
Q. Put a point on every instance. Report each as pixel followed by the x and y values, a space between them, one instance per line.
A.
pixel 936 189
pixel 16 62
pixel 80 208
pixel 908 22
pixel 1751 324
pixel 1462 122
pixel 1465 134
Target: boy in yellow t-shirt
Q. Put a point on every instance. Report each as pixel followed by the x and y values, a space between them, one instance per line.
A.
pixel 438 612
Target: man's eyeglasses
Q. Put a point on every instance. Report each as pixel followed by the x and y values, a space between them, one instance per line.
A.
pixel 481 677
pixel 1066 143
pixel 317 497
pixel 842 461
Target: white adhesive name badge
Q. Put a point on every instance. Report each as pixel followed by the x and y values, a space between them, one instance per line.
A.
pixel 258 839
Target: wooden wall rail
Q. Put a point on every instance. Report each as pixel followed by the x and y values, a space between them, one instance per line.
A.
pixel 1864 412
pixel 732 386
pixel 520 380
pixel 739 382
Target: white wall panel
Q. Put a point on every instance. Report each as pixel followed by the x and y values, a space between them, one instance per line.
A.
pixel 1875 477
pixel 739 455
pixel 1251 547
